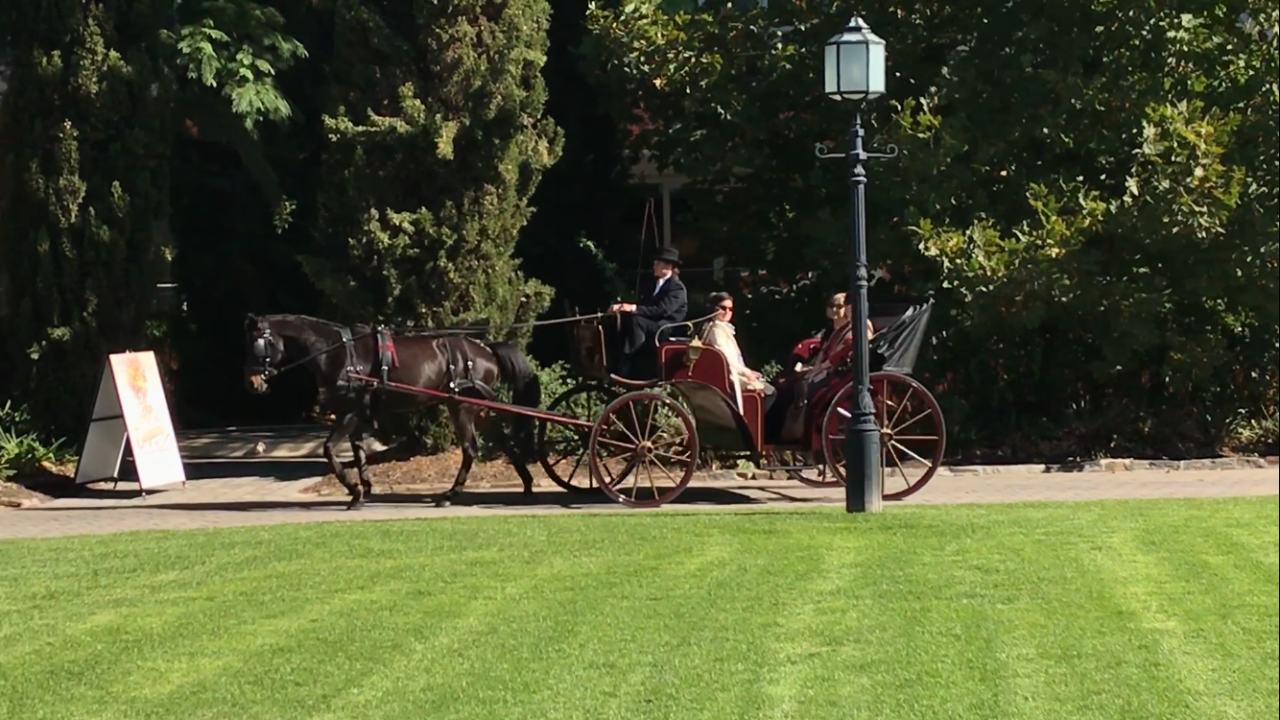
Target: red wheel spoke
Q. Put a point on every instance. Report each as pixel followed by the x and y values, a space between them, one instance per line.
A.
pixel 578 463
pixel 648 420
pixel 628 447
pixel 897 462
pixel 906 401
pixel 906 450
pixel 663 468
pixel 614 421
pixel 648 472
pixel 636 423
pixel 913 420
pixel 673 456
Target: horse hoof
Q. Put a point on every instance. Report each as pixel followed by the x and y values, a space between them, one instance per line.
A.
pixel 443 502
pixel 355 504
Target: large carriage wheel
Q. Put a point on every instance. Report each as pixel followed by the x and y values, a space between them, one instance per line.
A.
pixel 913 435
pixel 562 449
pixel 644 449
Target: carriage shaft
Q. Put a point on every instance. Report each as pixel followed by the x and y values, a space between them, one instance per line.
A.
pixel 547 415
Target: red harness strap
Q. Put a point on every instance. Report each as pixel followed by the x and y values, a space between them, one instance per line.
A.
pixel 387 349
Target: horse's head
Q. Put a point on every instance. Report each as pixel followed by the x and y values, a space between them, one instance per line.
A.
pixel 264 352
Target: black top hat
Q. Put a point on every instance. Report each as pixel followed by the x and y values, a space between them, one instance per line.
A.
pixel 668 254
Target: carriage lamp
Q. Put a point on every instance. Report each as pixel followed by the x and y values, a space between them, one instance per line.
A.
pixel 854 71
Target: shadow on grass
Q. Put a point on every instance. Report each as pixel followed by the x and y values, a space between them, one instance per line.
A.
pixel 169 498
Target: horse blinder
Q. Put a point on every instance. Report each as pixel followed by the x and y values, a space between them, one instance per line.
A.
pixel 262 347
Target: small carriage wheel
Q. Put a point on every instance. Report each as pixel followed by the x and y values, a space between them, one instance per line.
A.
pixel 795 464
pixel 648 438
pixel 562 449
pixel 913 435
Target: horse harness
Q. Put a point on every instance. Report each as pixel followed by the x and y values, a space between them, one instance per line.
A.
pixel 461 382
pixel 386 359
pixel 459 366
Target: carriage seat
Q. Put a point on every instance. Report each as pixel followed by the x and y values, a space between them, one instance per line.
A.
pixel 711 368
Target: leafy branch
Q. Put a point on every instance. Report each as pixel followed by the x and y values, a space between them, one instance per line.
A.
pixel 237 47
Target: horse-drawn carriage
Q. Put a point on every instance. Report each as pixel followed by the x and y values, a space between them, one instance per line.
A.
pixel 639 442
pixel 649 438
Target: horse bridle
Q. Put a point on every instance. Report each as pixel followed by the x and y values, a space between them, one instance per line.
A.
pixel 262 345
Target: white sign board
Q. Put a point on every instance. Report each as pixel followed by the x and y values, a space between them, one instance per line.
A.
pixel 131 407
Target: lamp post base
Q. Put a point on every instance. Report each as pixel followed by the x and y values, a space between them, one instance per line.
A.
pixel 863 472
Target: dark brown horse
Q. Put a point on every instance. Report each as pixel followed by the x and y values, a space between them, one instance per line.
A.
pixel 452 364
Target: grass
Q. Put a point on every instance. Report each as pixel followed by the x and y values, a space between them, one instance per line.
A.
pixel 1146 609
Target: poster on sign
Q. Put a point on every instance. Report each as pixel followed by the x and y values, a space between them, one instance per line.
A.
pixel 131 408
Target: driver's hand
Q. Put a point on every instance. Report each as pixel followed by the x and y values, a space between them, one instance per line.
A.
pixel 616 308
pixel 622 308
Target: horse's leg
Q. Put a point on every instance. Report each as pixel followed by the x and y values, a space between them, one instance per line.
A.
pixel 362 465
pixel 341 432
pixel 511 448
pixel 464 429
pixel 511 444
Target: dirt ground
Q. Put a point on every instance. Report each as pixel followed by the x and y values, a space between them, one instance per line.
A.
pixel 32 489
pixel 431 473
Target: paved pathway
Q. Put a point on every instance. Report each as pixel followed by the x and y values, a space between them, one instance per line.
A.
pixel 228 502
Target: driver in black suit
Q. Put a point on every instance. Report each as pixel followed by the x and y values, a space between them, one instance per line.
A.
pixel 667 303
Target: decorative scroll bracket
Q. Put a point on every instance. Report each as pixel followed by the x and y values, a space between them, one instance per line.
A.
pixel 824 153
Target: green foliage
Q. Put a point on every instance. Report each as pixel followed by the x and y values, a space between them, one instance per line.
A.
pixel 22 448
pixel 607 272
pixel 572 233
pixel 437 142
pixel 554 379
pixel 85 142
pixel 237 47
pixel 1090 188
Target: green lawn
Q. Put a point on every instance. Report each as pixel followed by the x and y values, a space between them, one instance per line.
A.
pixel 1149 610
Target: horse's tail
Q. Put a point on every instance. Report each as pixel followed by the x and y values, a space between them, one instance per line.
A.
pixel 526 391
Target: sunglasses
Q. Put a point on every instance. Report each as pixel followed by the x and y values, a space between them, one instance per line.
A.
pixel 726 307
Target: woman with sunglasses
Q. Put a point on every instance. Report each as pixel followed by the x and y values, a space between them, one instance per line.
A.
pixel 835 343
pixel 809 378
pixel 720 334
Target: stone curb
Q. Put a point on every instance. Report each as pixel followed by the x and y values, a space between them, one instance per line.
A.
pixel 1108 465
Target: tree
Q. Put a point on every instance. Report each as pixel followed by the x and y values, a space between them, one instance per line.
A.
pixel 85 123
pixel 248 122
pixel 569 233
pixel 437 139
pixel 1068 174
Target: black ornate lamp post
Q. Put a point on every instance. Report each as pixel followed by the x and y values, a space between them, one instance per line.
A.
pixel 854 70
